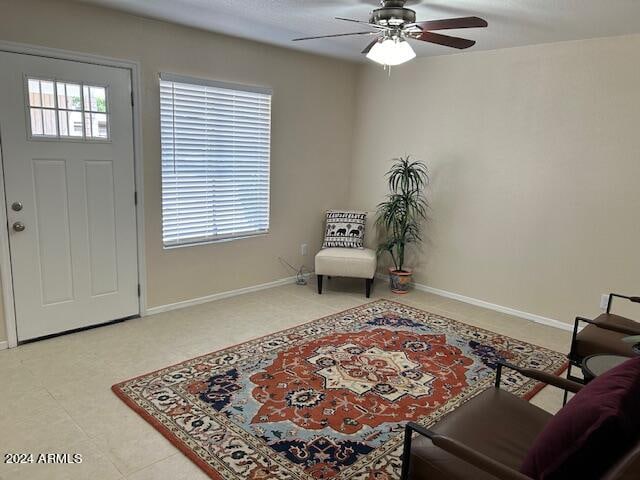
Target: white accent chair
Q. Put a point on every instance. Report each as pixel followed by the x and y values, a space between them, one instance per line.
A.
pixel 349 262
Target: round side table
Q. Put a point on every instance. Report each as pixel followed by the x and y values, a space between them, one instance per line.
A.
pixel 597 364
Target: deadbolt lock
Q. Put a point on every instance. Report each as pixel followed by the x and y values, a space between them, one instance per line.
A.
pixel 16 206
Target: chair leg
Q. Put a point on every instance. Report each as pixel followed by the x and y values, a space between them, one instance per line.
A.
pixel 368 283
pixel 406 454
pixel 566 392
pixel 319 278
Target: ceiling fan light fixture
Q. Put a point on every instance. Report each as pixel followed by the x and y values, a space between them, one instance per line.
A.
pixel 391 51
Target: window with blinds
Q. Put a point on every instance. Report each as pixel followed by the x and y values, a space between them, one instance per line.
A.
pixel 215 160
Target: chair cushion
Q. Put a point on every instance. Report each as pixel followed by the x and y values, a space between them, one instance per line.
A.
pixel 495 422
pixel 597 427
pixel 346 262
pixel 344 229
pixel 592 340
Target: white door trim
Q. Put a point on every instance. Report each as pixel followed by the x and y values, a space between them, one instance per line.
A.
pixel 5 260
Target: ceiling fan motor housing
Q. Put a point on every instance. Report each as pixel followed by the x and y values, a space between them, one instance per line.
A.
pixel 392 14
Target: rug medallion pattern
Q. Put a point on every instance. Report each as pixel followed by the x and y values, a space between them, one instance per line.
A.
pixel 327 399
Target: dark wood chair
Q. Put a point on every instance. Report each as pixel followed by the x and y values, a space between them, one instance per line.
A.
pixel 489 437
pixel 602 335
pixel 484 439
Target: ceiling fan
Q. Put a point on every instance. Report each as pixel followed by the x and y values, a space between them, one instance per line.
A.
pixel 393 24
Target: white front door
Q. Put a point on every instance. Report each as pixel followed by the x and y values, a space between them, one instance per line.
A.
pixel 66 134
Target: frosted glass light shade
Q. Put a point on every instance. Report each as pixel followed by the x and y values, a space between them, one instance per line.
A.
pixel 391 52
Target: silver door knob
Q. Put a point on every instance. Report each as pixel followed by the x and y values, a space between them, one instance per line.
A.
pixel 19 227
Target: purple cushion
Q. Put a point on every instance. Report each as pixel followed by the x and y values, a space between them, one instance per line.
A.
pixel 598 425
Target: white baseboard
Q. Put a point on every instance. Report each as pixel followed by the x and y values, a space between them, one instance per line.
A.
pixel 491 306
pixel 418 286
pixel 218 296
pixel 4 345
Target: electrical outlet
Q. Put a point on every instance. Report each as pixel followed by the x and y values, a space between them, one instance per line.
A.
pixel 604 301
pixel 303 249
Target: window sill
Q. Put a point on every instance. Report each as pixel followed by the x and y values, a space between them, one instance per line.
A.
pixel 220 240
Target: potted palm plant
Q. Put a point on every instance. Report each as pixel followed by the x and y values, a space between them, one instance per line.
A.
pixel 400 217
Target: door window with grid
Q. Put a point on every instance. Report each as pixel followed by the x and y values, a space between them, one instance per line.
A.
pixel 67 110
pixel 215 160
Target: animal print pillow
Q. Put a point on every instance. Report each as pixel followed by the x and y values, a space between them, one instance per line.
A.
pixel 344 229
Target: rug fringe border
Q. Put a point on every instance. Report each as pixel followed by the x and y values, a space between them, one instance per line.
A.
pixel 168 434
pixel 540 385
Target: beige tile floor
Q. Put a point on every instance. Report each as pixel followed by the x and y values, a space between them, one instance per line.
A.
pixel 55 394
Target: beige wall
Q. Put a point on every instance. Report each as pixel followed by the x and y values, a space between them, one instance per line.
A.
pixel 534 151
pixel 535 157
pixel 311 139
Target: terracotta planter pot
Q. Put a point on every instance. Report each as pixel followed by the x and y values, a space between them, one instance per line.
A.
pixel 400 280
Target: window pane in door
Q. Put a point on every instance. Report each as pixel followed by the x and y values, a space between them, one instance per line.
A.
pixel 49 122
pixel 48 97
pixel 75 124
pixel 73 100
pixel 88 132
pixel 98 99
pixel 62 95
pixel 63 123
pixel 36 121
pixel 34 93
pixel 86 95
pixel 99 125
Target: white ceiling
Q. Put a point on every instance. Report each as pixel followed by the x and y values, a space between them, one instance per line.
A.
pixel 511 22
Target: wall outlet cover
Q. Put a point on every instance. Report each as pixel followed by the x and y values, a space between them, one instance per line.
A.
pixel 303 249
pixel 604 301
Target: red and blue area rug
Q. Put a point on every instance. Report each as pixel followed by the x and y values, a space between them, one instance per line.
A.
pixel 327 399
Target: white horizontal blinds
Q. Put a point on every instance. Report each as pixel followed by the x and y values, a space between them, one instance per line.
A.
pixel 215 160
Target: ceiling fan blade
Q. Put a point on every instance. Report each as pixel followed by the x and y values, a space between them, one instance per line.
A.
pixel 451 23
pixel 371 25
pixel 334 35
pixel 368 48
pixel 446 40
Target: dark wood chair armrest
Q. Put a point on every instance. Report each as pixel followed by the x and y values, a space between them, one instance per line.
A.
pixel 458 449
pixel 541 376
pixel 633 299
pixel 608 326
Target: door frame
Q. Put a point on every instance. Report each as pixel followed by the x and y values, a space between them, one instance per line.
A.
pixel 6 275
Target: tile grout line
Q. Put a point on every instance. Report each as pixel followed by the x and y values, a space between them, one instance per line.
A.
pixel 88 437
pixel 138 470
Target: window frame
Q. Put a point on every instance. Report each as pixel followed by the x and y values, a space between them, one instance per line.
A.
pixel 175 78
pixel 62 138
